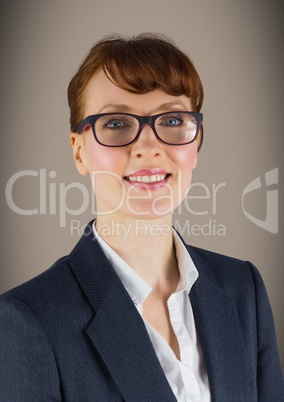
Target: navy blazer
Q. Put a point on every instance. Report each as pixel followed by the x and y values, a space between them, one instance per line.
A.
pixel 73 334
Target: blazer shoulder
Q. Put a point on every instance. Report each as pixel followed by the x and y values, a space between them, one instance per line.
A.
pixel 216 258
pixel 42 288
pixel 236 277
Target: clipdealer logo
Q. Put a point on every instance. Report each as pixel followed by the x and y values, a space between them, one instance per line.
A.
pixel 53 200
pixel 270 223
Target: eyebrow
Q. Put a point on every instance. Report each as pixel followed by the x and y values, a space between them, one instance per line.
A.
pixel 116 107
pixel 170 105
pixel 127 109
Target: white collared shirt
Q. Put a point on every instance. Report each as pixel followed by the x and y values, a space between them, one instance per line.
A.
pixel 187 376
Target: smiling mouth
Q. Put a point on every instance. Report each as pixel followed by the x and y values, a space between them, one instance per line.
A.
pixel 154 178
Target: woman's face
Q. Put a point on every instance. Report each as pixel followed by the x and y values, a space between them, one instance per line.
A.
pixel 165 170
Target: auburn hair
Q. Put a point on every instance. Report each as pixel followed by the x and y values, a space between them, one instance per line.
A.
pixel 138 64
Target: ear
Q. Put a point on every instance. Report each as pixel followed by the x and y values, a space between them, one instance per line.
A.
pixel 195 160
pixel 78 146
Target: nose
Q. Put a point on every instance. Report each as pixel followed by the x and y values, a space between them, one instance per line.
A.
pixel 147 145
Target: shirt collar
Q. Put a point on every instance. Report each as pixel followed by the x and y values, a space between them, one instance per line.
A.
pixel 137 288
pixel 187 269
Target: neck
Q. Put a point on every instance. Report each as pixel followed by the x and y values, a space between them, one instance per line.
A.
pixel 146 245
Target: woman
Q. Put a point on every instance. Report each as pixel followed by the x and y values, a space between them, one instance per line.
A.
pixel 133 313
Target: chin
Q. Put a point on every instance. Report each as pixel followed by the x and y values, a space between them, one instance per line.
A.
pixel 152 211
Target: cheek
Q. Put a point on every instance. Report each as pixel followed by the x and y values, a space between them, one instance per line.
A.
pixel 185 156
pixel 185 161
pixel 106 169
pixel 100 158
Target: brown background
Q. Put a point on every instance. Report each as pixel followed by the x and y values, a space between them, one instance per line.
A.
pixel 237 49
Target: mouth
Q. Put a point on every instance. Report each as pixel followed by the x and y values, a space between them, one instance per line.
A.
pixel 148 179
pixel 154 178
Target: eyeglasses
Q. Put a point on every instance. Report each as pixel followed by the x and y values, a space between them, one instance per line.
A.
pixel 121 129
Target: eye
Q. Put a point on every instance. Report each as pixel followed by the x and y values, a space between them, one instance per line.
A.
pixel 115 124
pixel 171 121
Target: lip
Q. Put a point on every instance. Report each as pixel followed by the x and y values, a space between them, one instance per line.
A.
pixel 148 172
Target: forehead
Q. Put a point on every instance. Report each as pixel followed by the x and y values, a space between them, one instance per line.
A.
pixel 102 96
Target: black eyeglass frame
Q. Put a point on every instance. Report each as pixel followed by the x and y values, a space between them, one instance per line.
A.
pixel 150 120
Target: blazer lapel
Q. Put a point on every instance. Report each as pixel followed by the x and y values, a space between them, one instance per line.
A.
pixel 117 330
pixel 220 335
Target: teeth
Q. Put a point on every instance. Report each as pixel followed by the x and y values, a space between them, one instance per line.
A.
pixel 148 179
